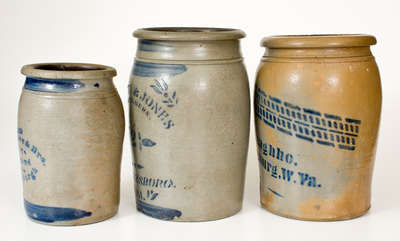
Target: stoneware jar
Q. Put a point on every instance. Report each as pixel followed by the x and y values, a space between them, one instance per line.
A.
pixel 70 134
pixel 189 116
pixel 317 110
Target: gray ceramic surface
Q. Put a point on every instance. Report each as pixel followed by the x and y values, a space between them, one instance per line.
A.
pixel 70 134
pixel 189 116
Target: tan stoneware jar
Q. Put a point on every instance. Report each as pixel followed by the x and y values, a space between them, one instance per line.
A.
pixel 317 111
pixel 70 134
pixel 189 117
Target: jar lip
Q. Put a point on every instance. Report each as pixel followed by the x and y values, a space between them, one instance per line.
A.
pixel 319 41
pixel 188 33
pixel 68 71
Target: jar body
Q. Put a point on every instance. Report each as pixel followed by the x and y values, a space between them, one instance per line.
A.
pixel 70 142
pixel 317 122
pixel 189 129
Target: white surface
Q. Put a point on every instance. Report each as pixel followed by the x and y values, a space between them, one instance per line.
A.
pixel 100 32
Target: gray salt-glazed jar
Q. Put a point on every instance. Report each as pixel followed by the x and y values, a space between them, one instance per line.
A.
pixel 189 117
pixel 70 134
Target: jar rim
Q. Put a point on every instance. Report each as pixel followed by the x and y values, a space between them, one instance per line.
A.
pixel 188 33
pixel 318 41
pixel 68 71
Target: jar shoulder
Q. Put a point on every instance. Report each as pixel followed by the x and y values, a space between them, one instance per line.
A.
pixel 174 70
pixel 361 72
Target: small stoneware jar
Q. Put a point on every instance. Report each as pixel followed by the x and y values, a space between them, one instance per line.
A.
pixel 317 110
pixel 189 116
pixel 70 134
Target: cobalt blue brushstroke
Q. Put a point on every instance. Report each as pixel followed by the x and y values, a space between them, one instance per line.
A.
pixel 157 212
pixel 304 138
pixel 287 104
pixel 353 121
pixel 334 117
pixel 152 46
pixel 275 99
pixel 326 143
pixel 145 69
pixel 301 123
pixel 138 166
pixel 337 132
pixel 284 131
pixel 312 112
pixel 344 147
pixel 270 111
pixel 148 142
pixel 53 214
pixel 154 196
pixel 269 123
pixel 283 117
pixel 260 91
pixel 276 193
pixel 319 128
pixel 52 85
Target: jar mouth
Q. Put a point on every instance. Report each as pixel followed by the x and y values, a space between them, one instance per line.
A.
pixel 188 33
pixel 68 67
pixel 319 41
pixel 68 71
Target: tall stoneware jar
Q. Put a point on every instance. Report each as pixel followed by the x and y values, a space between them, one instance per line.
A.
pixel 317 110
pixel 70 134
pixel 189 116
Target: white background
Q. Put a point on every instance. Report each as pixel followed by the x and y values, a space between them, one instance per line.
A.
pixel 100 32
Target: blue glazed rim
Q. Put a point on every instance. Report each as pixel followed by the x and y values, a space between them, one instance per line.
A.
pixel 68 71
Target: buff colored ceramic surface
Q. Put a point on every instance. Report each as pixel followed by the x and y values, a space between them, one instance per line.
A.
pixel 70 134
pixel 317 111
pixel 189 115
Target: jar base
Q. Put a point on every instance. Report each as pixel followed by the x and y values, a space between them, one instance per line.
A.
pixel 77 222
pixel 199 219
pixel 330 219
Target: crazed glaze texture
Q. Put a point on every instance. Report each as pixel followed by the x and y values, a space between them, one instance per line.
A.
pixel 70 142
pixel 317 121
pixel 189 129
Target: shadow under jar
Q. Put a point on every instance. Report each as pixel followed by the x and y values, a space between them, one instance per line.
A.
pixel 317 111
pixel 70 134
pixel 189 117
